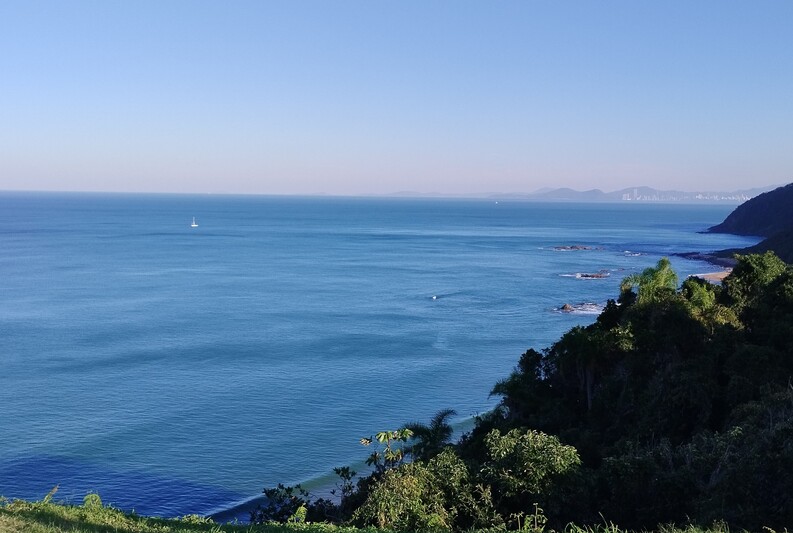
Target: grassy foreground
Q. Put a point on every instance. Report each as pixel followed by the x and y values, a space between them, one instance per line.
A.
pixel 93 517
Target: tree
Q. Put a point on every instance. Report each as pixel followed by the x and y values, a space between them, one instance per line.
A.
pixel 404 499
pixel 523 467
pixel 282 504
pixel 526 389
pixel 653 283
pixel 429 440
pixel 750 277
pixel 392 454
pixel 439 494
pixel 703 304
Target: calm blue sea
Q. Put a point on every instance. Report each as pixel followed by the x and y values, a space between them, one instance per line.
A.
pixel 179 370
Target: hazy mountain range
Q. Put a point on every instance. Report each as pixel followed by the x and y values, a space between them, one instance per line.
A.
pixel 643 194
pixel 630 194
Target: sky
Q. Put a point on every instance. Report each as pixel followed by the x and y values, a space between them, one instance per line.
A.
pixel 375 97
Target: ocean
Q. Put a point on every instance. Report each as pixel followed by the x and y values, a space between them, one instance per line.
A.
pixel 178 370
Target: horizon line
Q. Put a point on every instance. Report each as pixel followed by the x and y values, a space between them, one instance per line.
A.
pixel 538 193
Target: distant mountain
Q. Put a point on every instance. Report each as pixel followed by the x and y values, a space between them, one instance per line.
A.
pixel 643 194
pixel 768 215
pixel 631 194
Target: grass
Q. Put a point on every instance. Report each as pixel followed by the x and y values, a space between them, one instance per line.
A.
pixel 20 516
pixel 92 517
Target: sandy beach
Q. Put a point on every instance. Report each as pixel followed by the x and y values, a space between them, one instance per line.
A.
pixel 713 277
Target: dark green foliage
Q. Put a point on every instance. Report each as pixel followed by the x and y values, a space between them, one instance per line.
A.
pixel 423 496
pixel 405 499
pixel 654 284
pixel 283 505
pixel 677 400
pixel 524 467
pixel 469 503
pixel 439 494
pixel 750 278
pixel 525 391
pixel 429 440
pixel 393 449
pixel 780 243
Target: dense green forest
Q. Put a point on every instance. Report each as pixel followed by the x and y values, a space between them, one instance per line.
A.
pixel 675 406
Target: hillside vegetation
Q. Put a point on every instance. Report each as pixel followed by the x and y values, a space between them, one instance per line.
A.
pixel 767 215
pixel 48 517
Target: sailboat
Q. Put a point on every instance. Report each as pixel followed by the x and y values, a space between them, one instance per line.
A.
pixel 194 224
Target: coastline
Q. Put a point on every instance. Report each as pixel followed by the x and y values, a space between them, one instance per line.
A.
pixel 716 260
pixel 726 265
pixel 238 512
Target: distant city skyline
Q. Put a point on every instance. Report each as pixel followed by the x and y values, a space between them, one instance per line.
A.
pixel 363 98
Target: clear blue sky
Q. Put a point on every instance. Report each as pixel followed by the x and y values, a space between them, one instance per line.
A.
pixel 370 97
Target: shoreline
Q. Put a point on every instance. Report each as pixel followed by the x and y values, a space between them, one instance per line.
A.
pixel 321 486
pixel 238 512
pixel 726 265
pixel 724 262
